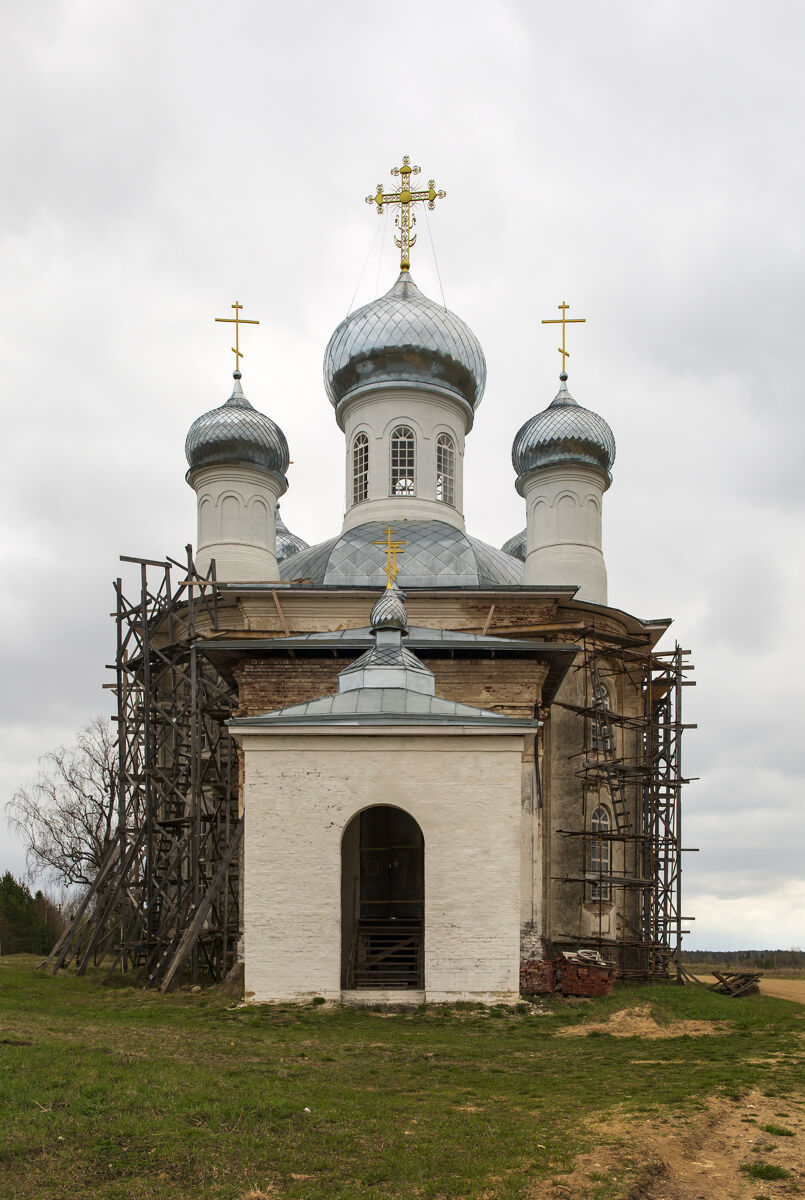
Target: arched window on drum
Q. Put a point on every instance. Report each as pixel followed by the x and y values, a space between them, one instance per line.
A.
pixel 360 468
pixel 403 461
pixel 600 855
pixel 445 469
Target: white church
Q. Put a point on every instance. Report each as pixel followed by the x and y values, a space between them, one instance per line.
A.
pixel 448 752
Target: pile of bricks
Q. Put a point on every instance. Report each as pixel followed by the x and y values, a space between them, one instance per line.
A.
pixel 568 976
pixel 584 979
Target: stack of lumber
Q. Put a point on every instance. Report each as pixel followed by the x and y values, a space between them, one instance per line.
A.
pixel 737 983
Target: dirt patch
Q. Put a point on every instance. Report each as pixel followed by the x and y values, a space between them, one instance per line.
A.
pixel 638 1022
pixel 680 1157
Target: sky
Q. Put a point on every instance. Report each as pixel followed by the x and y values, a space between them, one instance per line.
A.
pixel 642 162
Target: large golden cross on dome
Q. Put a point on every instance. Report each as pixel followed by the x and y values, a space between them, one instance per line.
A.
pixel 564 320
pixel 392 550
pixel 237 321
pixel 405 196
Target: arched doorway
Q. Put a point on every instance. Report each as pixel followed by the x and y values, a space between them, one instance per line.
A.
pixel 382 900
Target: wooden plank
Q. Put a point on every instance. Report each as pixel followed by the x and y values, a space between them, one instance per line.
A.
pixel 280 613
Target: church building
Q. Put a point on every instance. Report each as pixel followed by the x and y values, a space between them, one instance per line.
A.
pixel 454 760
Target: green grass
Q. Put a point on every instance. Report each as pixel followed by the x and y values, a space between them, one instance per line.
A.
pixel 124 1094
pixel 764 1170
pixel 777 1130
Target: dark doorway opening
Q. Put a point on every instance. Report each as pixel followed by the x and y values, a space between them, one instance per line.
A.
pixel 382 900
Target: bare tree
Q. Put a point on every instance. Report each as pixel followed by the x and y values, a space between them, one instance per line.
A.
pixel 67 817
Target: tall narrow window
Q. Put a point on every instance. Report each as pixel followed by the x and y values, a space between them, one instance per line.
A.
pixel 360 468
pixel 445 469
pixel 602 739
pixel 403 455
pixel 600 856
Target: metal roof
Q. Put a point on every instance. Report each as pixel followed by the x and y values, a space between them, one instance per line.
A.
pixel 383 706
pixel 419 637
pixel 288 543
pixel 516 546
pixel 436 555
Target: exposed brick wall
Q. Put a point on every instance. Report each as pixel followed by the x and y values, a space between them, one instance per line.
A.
pixel 268 683
pixel 510 686
pixel 536 977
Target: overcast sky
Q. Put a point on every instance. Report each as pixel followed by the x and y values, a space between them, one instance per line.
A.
pixel 642 161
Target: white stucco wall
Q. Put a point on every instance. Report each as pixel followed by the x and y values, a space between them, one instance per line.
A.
pixel 563 529
pixel 301 791
pixel 237 521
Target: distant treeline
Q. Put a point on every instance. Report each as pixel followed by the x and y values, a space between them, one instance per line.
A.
pixel 761 960
pixel 28 924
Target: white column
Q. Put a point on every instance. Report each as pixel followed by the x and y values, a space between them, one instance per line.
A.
pixel 237 521
pixel 563 523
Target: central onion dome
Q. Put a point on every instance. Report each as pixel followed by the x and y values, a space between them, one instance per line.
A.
pixel 404 337
pixel 564 432
pixel 236 433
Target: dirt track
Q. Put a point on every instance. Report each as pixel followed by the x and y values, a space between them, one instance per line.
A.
pixel 692 1157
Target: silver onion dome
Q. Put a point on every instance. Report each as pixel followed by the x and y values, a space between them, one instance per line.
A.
pixel 288 543
pixel 389 611
pixel 237 433
pixel 564 432
pixel 516 546
pixel 404 336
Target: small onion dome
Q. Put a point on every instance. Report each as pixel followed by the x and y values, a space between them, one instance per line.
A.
pixel 237 433
pixel 389 611
pixel 404 337
pixel 564 432
pixel 287 543
pixel 516 546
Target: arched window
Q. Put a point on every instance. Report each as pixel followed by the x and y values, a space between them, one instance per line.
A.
pixel 600 855
pixel 360 468
pixel 403 456
pixel 445 469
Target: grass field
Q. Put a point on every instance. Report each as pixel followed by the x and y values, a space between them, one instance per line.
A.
pixel 119 1093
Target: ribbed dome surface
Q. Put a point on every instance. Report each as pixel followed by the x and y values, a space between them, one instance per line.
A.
pixel 563 432
pixel 389 611
pixel 404 336
pixel 516 546
pixel 288 543
pixel 237 433
pixel 434 555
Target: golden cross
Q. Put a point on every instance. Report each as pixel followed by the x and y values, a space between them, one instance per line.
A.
pixel 392 550
pixel 405 197
pixel 237 321
pixel 564 321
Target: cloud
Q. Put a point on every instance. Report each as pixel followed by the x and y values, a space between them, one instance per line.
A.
pixel 642 163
